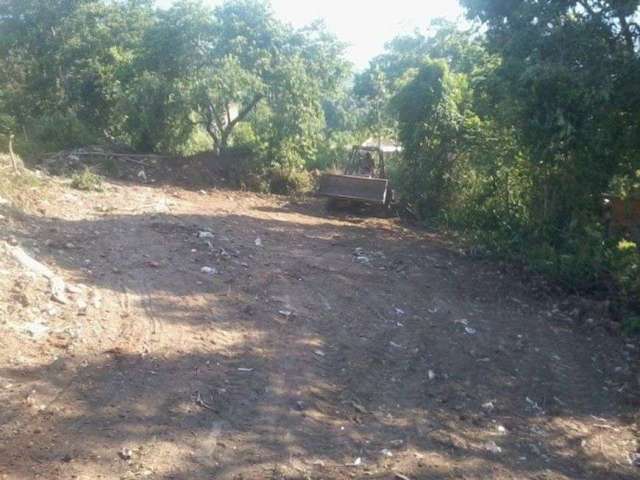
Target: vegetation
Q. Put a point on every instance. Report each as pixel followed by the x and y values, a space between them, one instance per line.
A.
pixel 86 180
pixel 512 130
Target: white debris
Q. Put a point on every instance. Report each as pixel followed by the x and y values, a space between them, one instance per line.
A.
pixel 386 452
pixel 488 406
pixel 205 234
pixel 35 329
pixel 492 447
pixel 432 375
pixel 142 175
pixel 470 331
pixel 357 462
pixel 395 345
pixel 285 313
pixel 258 242
pixel 208 270
pixel 399 311
pixel 58 289
pixel 320 353
pixel 245 370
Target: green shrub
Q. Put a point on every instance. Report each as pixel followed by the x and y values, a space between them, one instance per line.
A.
pixel 87 181
pixel 59 131
pixel 625 270
pixel 286 181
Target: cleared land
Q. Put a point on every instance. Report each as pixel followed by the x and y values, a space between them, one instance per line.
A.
pixel 315 347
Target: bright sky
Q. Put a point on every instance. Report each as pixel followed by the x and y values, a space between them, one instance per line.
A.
pixel 366 25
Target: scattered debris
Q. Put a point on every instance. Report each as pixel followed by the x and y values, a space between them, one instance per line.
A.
pixel 360 257
pixel 200 402
pixel 319 353
pixel 246 370
pixel 285 313
pixel 359 408
pixel 386 452
pixel 206 235
pixel 399 311
pixel 431 375
pixel 492 447
pixel 399 476
pixel 470 331
pixel 125 454
pixel 488 406
pixel 534 405
pixel 258 242
pixel 209 270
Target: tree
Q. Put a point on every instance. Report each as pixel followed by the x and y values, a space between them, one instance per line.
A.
pixel 566 80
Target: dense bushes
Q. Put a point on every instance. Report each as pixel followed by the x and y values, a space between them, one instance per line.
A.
pixel 513 138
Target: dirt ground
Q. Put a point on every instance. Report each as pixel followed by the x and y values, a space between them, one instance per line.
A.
pixel 316 347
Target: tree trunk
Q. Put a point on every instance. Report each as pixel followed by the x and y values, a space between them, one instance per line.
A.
pixel 14 162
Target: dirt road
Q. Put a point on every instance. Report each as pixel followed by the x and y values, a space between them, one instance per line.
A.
pixel 311 347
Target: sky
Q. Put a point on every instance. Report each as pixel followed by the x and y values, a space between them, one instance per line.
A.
pixel 364 25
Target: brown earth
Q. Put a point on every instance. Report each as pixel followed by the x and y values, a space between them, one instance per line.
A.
pixel 332 347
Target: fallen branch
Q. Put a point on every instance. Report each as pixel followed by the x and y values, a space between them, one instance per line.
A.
pixel 56 283
pixel 130 157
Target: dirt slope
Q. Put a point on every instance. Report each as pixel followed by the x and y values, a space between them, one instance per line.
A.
pixel 319 347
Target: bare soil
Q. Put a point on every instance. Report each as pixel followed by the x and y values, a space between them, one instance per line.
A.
pixel 320 347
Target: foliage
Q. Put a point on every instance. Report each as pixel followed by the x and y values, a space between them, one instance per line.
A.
pixel 157 79
pixel 86 180
pixel 514 136
pixel 287 181
pixel 625 267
